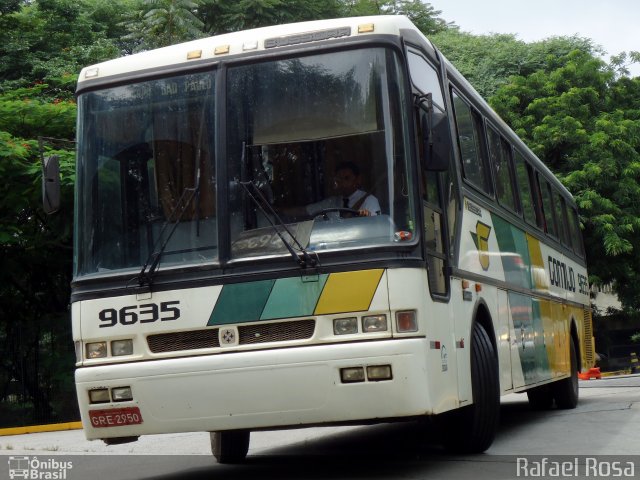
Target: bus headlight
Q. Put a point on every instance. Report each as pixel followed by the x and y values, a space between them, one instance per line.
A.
pixel 97 350
pixel 121 347
pixel 345 326
pixel 374 323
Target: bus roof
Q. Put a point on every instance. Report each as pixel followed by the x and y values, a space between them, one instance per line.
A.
pixel 258 39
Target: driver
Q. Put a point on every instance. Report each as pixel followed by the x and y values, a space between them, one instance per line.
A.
pixel 349 195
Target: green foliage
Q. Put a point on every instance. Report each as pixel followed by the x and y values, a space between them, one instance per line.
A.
pixel 158 23
pixel 583 120
pixel 488 61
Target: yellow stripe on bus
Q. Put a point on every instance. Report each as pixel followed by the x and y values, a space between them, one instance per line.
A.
pixel 348 292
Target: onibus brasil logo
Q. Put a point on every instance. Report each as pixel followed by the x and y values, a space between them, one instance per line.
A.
pixel 33 468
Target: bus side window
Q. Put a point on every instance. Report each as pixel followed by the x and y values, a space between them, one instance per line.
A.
pixel 500 156
pixel 561 216
pixel 576 234
pixel 528 202
pixel 469 127
pixel 547 208
pixel 425 78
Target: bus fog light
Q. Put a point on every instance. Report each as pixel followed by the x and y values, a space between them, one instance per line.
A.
pixel 99 395
pixel 121 347
pixel 97 350
pixel 374 323
pixel 379 372
pixel 406 321
pixel 352 374
pixel 345 326
pixel 121 394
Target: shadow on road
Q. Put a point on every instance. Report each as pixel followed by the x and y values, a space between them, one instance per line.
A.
pixel 401 450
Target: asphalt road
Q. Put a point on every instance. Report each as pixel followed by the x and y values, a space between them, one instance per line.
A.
pixel 603 429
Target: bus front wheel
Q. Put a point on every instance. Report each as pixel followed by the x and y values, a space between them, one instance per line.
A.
pixel 472 429
pixel 230 446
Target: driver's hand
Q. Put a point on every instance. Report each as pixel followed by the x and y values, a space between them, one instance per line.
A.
pixel 364 213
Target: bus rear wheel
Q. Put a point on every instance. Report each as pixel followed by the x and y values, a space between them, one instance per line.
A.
pixel 472 429
pixel 566 391
pixel 230 446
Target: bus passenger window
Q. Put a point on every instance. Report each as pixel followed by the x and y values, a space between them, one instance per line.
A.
pixel 500 156
pixel 576 234
pixel 547 207
pixel 561 216
pixel 527 200
pixel 469 141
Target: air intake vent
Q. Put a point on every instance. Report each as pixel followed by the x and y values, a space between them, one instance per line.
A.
pixel 175 342
pixel 276 332
pixel 249 335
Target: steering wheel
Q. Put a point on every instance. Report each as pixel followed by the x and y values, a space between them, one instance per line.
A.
pixel 323 213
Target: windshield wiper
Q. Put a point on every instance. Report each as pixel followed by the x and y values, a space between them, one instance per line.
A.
pixel 306 260
pixel 153 260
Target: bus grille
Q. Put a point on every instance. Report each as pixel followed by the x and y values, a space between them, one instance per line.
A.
pixel 276 332
pixel 175 342
pixel 588 338
pixel 249 335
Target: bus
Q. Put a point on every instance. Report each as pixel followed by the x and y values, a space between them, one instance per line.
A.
pixel 200 302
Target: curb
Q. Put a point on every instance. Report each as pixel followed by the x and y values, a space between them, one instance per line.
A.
pixel 56 427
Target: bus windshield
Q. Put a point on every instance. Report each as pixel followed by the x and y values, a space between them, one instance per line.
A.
pixel 291 129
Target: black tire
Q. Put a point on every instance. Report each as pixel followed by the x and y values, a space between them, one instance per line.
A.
pixel 230 446
pixel 472 429
pixel 540 398
pixel 566 392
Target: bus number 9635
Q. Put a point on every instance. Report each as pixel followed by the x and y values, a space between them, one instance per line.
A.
pixel 145 313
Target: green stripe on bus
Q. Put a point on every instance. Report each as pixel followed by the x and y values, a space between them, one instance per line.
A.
pixel 515 252
pixel 294 297
pixel 241 302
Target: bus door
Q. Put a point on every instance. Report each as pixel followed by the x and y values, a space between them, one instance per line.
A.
pixel 434 150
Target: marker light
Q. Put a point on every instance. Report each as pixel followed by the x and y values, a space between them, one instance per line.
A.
pixel 91 73
pixel 121 347
pixel 99 395
pixel 374 323
pixel 352 374
pixel 345 326
pixel 366 28
pixel 193 54
pixel 97 350
pixel 121 394
pixel 222 49
pixel 406 321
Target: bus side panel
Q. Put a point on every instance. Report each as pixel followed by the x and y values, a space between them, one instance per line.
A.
pixel 409 289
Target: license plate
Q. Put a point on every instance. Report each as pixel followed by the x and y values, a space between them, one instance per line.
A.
pixel 115 417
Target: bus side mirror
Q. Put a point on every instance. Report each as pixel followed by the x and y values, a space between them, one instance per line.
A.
pixel 51 184
pixel 433 161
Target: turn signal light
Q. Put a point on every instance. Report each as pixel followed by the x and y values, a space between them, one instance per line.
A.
pixel 406 321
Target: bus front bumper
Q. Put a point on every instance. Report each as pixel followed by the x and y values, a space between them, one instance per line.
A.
pixel 288 387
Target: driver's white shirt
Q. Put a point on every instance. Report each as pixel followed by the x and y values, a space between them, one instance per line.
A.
pixel 370 203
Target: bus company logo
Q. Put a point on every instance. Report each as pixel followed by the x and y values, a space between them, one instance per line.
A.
pixel 228 336
pixel 481 240
pixel 33 468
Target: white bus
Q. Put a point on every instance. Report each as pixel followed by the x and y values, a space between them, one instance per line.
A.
pixel 201 302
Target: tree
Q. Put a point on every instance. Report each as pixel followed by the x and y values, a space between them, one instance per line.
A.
pixel 584 122
pixel 488 61
pixel 159 23
pixel 423 15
